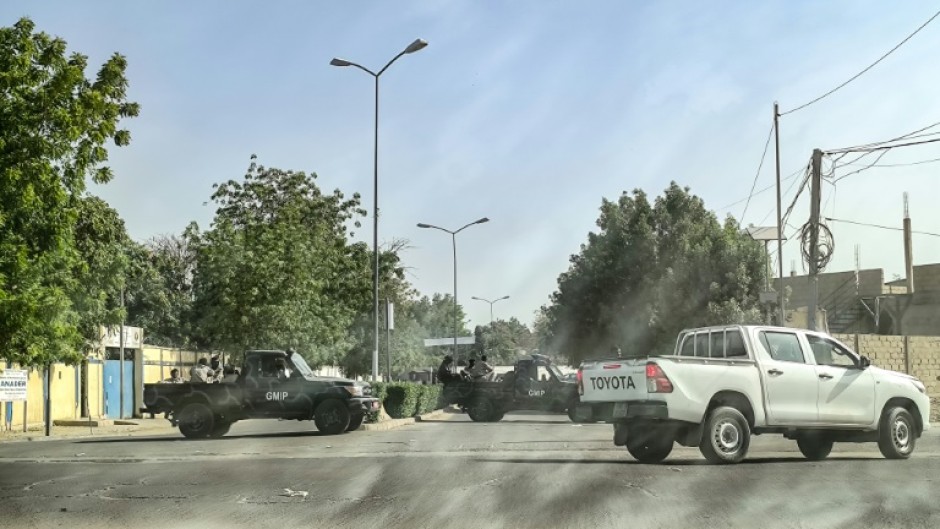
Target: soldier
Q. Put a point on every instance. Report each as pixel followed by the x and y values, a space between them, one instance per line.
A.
pixel 200 373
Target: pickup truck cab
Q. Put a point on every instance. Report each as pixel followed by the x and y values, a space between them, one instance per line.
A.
pixel 261 391
pixel 723 384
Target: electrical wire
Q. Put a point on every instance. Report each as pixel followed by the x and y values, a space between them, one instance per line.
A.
pixel 791 176
pixel 865 168
pixel 869 67
pixel 922 162
pixel 761 190
pixel 863 148
pixel 760 166
pixel 866 224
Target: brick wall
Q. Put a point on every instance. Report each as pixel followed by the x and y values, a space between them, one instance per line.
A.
pixel 915 355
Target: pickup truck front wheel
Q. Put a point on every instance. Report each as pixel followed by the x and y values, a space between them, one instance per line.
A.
pixel 332 417
pixel 196 421
pixel 355 422
pixel 897 433
pixel 726 436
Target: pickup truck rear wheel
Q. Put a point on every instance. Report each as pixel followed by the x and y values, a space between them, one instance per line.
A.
pixel 814 447
pixel 897 433
pixel 355 422
pixel 652 446
pixel 332 417
pixel 726 436
pixel 196 421
pixel 481 410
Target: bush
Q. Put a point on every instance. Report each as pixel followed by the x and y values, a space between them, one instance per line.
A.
pixel 430 399
pixel 379 391
pixel 405 399
pixel 402 399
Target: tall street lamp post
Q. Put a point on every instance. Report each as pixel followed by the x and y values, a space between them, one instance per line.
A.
pixel 453 237
pixel 491 305
pixel 413 47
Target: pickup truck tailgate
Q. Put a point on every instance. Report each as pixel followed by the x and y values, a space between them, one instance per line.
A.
pixel 613 381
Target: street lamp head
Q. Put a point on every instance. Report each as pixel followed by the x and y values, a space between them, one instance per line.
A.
pixel 481 221
pixel 504 297
pixel 423 225
pixel 417 45
pixel 476 298
pixel 340 62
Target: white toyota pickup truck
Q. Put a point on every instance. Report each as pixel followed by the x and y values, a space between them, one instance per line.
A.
pixel 724 384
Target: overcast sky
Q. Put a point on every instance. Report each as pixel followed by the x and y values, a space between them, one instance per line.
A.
pixel 527 112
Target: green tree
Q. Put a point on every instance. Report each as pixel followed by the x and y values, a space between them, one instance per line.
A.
pixel 100 272
pixel 160 290
pixel 651 270
pixel 503 341
pixel 54 127
pixel 276 268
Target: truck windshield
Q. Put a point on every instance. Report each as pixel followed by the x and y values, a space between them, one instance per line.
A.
pixel 556 372
pixel 301 365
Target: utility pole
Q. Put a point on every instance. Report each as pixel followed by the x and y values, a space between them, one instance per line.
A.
pixel 121 376
pixel 780 293
pixel 908 249
pixel 816 196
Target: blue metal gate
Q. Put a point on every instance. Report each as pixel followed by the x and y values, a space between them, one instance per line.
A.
pixel 112 392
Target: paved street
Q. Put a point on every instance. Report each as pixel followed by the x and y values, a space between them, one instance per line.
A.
pixel 529 470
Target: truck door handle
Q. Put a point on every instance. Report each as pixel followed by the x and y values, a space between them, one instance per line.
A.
pixel 825 376
pixel 774 372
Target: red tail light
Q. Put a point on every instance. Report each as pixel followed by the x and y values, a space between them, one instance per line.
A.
pixel 580 379
pixel 656 380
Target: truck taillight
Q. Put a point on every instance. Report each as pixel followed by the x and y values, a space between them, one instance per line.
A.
pixel 656 380
pixel 580 379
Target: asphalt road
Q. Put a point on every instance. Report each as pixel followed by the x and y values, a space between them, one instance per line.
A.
pixel 537 471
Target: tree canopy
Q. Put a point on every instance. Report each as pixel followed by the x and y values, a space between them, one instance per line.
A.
pixel 54 127
pixel 650 270
pixel 276 268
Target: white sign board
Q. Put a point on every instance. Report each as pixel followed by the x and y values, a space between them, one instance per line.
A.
pixel 462 340
pixel 13 385
pixel 111 337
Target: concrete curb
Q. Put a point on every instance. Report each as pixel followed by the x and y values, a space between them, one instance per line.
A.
pixel 136 431
pixel 392 424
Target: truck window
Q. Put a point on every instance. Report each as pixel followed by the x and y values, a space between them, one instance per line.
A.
pixel 734 345
pixel 701 344
pixel 717 344
pixel 829 353
pixel 782 346
pixel 688 345
pixel 543 374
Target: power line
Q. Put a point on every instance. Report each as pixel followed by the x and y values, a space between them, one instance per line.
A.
pixel 864 148
pixel 759 191
pixel 922 162
pixel 759 167
pixel 881 226
pixel 869 67
pixel 787 192
pixel 867 167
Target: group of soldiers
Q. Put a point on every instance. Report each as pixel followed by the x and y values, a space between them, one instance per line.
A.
pixel 476 369
pixel 205 372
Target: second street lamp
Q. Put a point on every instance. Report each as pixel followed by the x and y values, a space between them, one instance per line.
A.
pixel 491 305
pixel 453 237
pixel 417 45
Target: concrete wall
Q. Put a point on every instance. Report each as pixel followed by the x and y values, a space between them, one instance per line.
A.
pixel 870 283
pixel 927 278
pixel 65 398
pixel 915 355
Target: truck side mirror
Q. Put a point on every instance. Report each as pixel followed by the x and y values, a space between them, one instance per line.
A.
pixel 864 362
